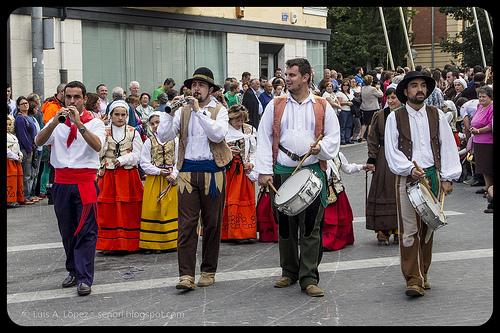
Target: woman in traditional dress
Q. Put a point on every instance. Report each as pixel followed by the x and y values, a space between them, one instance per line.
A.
pixel 381 204
pixel 240 222
pixel 120 189
pixel 15 192
pixel 159 204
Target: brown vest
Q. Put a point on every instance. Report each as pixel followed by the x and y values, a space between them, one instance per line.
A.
pixel 162 154
pixel 319 116
pixel 220 151
pixel 404 140
pixel 125 147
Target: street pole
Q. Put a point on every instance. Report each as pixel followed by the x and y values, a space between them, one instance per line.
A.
pixel 403 21
pixel 479 36
pixel 432 37
pixel 489 25
pixel 386 37
pixel 37 51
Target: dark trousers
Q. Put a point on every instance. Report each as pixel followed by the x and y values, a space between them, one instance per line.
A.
pixel 80 249
pixel 302 230
pixel 345 121
pixel 192 201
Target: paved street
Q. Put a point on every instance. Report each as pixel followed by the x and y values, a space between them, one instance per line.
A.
pixel 363 282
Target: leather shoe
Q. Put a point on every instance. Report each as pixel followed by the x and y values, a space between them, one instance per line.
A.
pixel 314 291
pixel 283 282
pixel 427 285
pixel 414 291
pixel 206 279
pixel 186 282
pixel 69 281
pixel 83 289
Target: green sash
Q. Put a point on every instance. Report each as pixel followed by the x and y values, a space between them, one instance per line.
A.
pixel 432 175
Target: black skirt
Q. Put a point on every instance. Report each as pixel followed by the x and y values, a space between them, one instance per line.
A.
pixel 483 156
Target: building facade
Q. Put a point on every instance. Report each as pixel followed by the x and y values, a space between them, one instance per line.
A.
pixel 424 25
pixel 115 45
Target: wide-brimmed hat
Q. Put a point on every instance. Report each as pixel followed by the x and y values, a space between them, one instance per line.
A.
pixel 202 74
pixel 410 76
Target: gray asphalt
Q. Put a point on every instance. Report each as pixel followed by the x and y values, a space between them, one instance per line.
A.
pixel 363 282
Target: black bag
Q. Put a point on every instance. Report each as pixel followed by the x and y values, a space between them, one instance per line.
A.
pixel 356 107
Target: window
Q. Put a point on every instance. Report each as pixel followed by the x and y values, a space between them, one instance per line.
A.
pixel 316 54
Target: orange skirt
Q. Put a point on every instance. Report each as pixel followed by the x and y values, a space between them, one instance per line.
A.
pixel 239 219
pixel 15 189
pixel 119 207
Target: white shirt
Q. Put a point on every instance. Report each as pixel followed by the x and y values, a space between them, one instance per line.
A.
pixel 297 134
pixel 201 129
pixel 102 105
pixel 79 155
pixel 146 164
pixel 421 145
pixel 344 165
pixel 250 146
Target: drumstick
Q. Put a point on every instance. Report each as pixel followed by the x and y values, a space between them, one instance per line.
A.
pixel 442 201
pixel 308 154
pixel 421 170
pixel 272 187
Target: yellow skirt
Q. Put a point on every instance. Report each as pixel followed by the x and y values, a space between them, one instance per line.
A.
pixel 158 219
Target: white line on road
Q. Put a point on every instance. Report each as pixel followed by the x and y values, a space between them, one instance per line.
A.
pixel 237 275
pixel 59 244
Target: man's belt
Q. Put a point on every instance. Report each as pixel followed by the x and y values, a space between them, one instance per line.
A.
pixel 293 156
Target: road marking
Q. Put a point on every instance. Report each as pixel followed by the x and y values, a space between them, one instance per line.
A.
pixel 34 247
pixel 57 245
pixel 100 289
pixel 446 213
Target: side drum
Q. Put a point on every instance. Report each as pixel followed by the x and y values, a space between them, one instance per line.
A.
pixel 426 205
pixel 298 192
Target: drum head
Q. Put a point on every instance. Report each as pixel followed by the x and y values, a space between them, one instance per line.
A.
pixel 431 201
pixel 292 186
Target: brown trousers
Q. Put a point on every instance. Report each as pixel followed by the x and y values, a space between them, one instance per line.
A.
pixel 193 198
pixel 416 254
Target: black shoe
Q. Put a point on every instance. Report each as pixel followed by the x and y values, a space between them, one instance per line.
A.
pixel 481 191
pixel 69 281
pixel 83 289
pixel 488 210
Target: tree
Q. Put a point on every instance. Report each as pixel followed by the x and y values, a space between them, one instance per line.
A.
pixel 465 45
pixel 357 38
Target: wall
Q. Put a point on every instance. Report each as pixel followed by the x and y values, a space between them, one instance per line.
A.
pixel 269 15
pixel 21 66
pixel 243 52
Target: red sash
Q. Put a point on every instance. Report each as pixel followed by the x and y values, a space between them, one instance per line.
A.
pixel 85 117
pixel 85 179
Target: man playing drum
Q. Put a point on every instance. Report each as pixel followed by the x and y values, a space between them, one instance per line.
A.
pixel 421 134
pixel 287 132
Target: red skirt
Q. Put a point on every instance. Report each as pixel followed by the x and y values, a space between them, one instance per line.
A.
pixel 239 220
pixel 15 189
pixel 119 206
pixel 337 229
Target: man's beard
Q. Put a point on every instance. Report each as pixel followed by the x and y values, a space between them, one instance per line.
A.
pixel 199 97
pixel 417 99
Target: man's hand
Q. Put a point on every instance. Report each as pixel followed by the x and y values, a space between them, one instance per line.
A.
pixel 315 149
pixel 446 187
pixel 74 115
pixel 265 179
pixel 417 174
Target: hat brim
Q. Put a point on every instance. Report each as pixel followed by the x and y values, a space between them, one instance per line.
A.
pixel 431 84
pixel 188 83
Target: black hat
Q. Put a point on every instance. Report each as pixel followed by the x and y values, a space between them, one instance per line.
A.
pixel 202 74
pixel 431 84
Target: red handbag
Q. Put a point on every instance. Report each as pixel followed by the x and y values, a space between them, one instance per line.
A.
pixel 266 224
